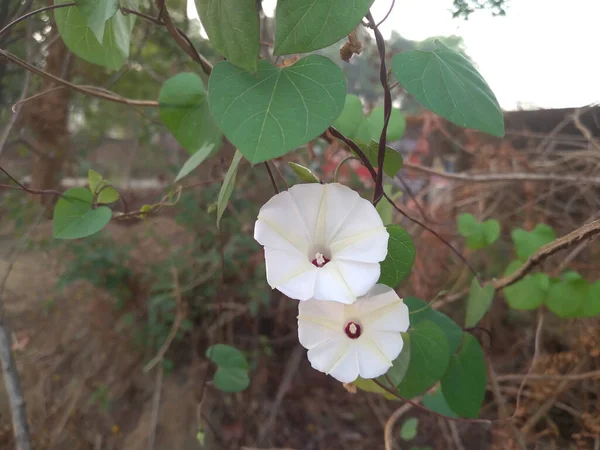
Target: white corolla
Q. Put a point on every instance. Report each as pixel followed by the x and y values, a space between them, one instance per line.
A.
pixel 362 339
pixel 322 242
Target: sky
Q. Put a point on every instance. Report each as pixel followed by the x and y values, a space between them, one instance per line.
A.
pixel 542 54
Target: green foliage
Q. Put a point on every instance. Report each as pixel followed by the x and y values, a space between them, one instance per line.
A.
pixel 232 368
pixel 396 124
pixel 195 160
pixel 408 430
pixel 464 383
pixel 227 187
pixel 478 303
pixel 103 192
pixel 436 402
pixel 445 82
pixel 526 243
pixel 397 372
pixel 268 114
pixel 97 13
pixel 233 28
pixel 307 25
pixel 183 107
pixel 75 215
pixel 479 234
pixel 112 52
pixel 351 117
pixel 566 298
pixel 528 293
pixel 392 162
pixel 303 173
pixel 399 260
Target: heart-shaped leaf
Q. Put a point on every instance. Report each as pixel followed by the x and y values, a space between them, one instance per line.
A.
pixel 527 242
pixel 528 293
pixel 81 39
pixel 566 298
pixel 268 114
pixel 107 194
pixel 436 402
pixel 183 107
pixel 74 216
pixel 464 382
pixel 445 82
pixel 351 117
pixel 233 28
pixel 399 260
pixel 396 124
pixel 97 12
pixel 226 356
pixel 408 430
pixel 478 303
pixel 231 379
pixel 478 234
pixel 392 162
pixel 591 306
pixel 307 25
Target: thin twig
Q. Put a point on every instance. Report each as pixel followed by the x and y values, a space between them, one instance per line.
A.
pixel 389 425
pixel 273 182
pixel 32 13
pixel 155 407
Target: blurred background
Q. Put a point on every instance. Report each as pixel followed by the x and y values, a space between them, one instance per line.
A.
pixel 86 316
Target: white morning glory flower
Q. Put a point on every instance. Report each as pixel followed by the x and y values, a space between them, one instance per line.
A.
pixel 322 242
pixel 362 339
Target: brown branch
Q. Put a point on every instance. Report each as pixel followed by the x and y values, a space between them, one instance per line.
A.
pixel 502 177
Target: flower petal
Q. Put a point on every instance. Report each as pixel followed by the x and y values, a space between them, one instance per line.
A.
pixel 372 362
pixel 359 276
pixel 283 221
pixel 325 356
pixel 319 321
pixel 383 310
pixel 290 273
pixel 332 286
pixel 346 369
pixel 339 201
pixel 308 201
pixel 389 343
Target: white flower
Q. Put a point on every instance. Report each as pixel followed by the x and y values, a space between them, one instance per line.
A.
pixel 346 341
pixel 322 242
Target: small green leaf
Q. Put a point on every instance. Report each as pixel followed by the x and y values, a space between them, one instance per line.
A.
pixel 351 117
pixel 479 234
pixel 408 430
pixel 591 307
pixel 108 194
pixel 82 40
pixel 227 187
pixel 464 382
pixel 396 125
pixel 419 311
pixel 445 82
pixel 307 25
pixel 567 298
pixel 231 379
pixel 97 12
pixel 478 303
pixel 392 162
pixel 95 181
pixel 436 402
pixel 429 358
pixel 527 243
pixel 491 230
pixel 528 293
pixel 268 114
pixel 400 257
pixel 467 225
pixel 195 160
pixel 371 386
pixel 303 173
pixel 74 215
pixel 233 29
pixel 227 356
pixel 183 107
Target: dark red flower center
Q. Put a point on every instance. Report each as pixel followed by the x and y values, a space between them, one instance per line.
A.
pixel 320 260
pixel 352 330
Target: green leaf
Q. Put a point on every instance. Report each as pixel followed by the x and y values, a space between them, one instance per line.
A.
pixel 74 215
pixel 445 82
pixel 95 181
pixel 371 386
pixel 97 12
pixel 429 358
pixel 195 160
pixel 396 125
pixel 467 225
pixel 568 297
pixel 528 293
pixel 527 243
pixel 436 402
pixel 591 307
pixel 384 208
pixel 183 107
pixel 420 310
pixel 108 194
pixel 478 234
pixel 491 230
pixel 392 162
pixel 351 117
pixel 81 40
pixel 478 303
pixel 408 430
pixel 227 187
pixel 268 114
pixel 303 173
pixel 231 379
pixel 307 25
pixel 463 384
pixel 227 356
pixel 400 257
pixel 397 372
pixel 233 28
